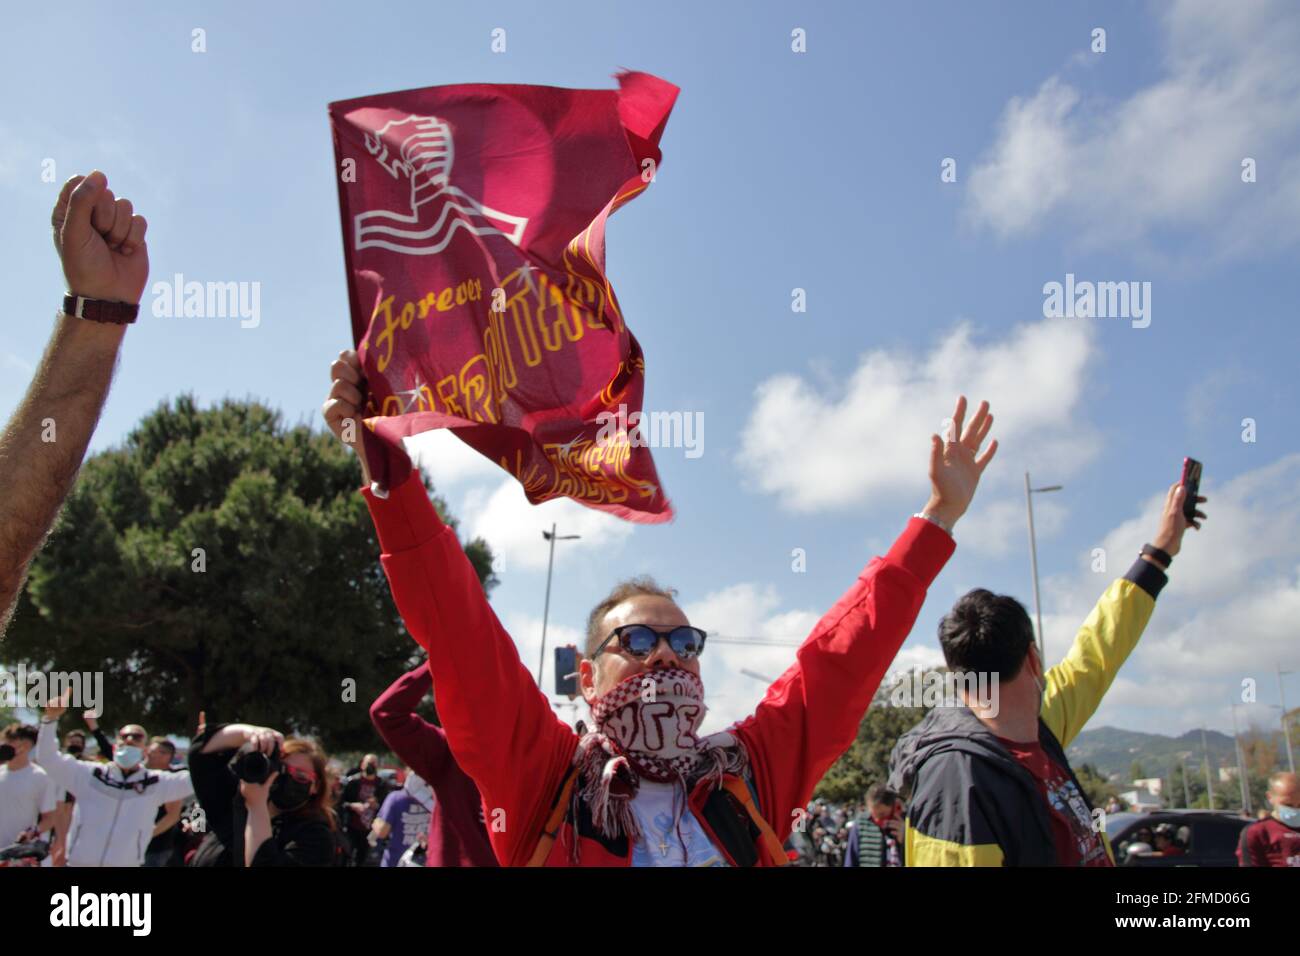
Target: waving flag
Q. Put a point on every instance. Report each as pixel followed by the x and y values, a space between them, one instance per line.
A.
pixel 474 237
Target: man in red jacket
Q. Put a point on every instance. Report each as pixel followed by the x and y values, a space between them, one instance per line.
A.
pixel 457 836
pixel 643 788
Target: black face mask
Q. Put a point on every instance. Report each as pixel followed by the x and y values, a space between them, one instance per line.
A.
pixel 75 749
pixel 7 753
pixel 370 771
pixel 289 794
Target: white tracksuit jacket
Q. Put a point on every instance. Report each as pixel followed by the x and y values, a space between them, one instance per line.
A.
pixel 111 825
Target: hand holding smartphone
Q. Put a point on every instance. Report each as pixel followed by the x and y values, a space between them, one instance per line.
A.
pixel 1192 488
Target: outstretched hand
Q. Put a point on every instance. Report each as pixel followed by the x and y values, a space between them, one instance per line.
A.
pixel 956 463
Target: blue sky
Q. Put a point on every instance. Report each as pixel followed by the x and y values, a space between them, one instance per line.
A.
pixel 782 170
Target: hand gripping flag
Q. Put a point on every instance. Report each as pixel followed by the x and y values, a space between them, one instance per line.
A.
pixel 474 236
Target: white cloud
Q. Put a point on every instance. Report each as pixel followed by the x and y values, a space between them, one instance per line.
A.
pixel 923 657
pixel 1168 156
pixel 997 528
pixel 1228 613
pixel 492 505
pixel 448 460
pixel 513 526
pixel 744 611
pixel 822 449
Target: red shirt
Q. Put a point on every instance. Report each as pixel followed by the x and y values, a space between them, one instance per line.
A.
pixel 1077 843
pixel 1269 842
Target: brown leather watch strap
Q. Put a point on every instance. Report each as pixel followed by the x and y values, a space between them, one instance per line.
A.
pixel 97 310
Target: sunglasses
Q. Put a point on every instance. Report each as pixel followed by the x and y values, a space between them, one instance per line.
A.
pixel 128 738
pixel 640 640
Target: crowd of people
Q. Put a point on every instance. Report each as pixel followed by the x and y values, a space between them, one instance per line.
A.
pixel 244 796
pixel 501 778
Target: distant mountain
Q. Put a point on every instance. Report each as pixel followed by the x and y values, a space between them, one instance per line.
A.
pixel 1112 751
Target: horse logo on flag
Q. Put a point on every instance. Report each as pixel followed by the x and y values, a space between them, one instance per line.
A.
pixel 438 208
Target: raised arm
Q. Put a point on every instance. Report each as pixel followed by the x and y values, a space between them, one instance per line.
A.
pixel 810 715
pixel 1075 687
pixel 419 744
pixel 498 723
pixel 101 243
pixel 64 769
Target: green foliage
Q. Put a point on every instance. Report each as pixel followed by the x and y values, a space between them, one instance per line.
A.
pixel 1096 787
pixel 221 562
pixel 866 762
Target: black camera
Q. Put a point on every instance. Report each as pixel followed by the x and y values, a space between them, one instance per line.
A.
pixel 252 766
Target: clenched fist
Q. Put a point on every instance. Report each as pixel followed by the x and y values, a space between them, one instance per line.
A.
pixel 344 406
pixel 100 240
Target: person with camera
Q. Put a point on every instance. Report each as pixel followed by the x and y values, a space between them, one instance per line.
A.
pixel 265 799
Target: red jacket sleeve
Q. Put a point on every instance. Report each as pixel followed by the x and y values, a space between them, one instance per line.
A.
pixel 420 745
pixel 499 725
pixel 810 716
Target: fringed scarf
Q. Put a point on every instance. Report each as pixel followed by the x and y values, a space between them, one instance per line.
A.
pixel 646 729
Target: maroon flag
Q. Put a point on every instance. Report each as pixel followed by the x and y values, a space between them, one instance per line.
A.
pixel 474 234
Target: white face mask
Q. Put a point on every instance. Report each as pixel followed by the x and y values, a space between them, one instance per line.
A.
pixel 127 756
pixel 1290 816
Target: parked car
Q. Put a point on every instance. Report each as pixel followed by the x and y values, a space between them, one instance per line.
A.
pixel 1198 837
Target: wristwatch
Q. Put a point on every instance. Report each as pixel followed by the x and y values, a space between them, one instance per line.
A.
pixel 1152 551
pixel 97 310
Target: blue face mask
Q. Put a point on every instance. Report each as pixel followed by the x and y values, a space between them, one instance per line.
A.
pixel 1290 816
pixel 127 756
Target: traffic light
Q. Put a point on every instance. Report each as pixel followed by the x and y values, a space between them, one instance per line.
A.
pixel 566 671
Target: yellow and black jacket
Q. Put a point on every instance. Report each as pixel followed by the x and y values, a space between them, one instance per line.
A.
pixel 971 803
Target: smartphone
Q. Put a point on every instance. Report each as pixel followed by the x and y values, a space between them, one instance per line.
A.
pixel 1192 482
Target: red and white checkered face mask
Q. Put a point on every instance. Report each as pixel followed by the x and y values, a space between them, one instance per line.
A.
pixel 647 727
pixel 652 718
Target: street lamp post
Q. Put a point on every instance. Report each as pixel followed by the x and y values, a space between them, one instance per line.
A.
pixel 1187 791
pixel 1209 785
pixel 1286 729
pixel 1033 555
pixel 1241 763
pixel 552 537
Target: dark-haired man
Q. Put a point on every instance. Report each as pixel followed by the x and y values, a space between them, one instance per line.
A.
pixel 990 783
pixel 27 795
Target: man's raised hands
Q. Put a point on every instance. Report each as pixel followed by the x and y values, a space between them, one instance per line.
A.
pixel 956 463
pixel 100 240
